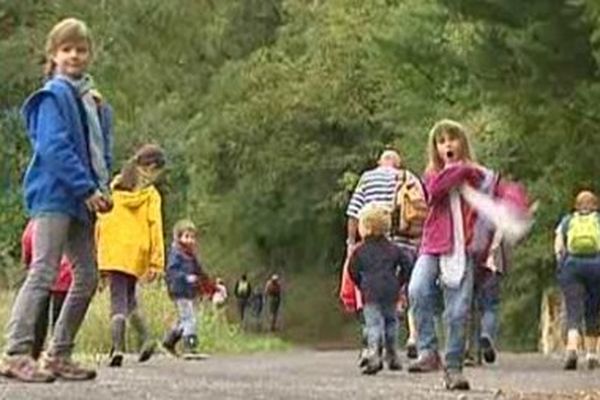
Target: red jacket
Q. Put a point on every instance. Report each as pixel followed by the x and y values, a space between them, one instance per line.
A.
pixel 65 272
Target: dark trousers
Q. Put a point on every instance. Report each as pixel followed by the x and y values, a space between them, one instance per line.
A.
pixel 274 303
pixel 50 309
pixel 579 279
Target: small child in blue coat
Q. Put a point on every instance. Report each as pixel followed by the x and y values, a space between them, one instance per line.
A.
pixel 183 276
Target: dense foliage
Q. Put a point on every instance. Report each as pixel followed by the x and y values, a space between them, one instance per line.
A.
pixel 269 109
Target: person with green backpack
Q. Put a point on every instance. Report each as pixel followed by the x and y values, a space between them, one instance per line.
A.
pixel 577 250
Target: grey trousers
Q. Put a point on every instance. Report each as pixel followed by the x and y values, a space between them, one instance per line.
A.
pixel 54 235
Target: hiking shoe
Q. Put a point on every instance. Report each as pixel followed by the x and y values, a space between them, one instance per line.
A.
pixel 592 362
pixel 170 348
pixel 570 360
pixel 373 366
pixel 455 380
pixel 394 363
pixel 147 351
pixel 411 351
pixel 116 359
pixel 363 358
pixel 427 362
pixel 68 370
pixel 488 350
pixel 25 369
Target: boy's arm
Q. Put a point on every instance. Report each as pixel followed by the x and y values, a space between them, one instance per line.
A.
pixel 56 149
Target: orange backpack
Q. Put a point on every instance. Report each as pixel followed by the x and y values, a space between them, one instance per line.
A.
pixel 410 207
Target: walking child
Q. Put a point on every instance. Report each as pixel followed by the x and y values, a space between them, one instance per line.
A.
pixel 445 254
pixel 130 246
pixel 379 268
pixel 184 273
pixel 70 130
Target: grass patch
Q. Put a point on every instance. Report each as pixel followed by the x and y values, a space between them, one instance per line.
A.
pixel 216 333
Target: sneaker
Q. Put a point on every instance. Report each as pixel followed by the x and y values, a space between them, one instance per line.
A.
pixel 116 359
pixel 411 351
pixel 373 365
pixel 455 380
pixel 570 360
pixel 25 369
pixel 427 362
pixel 68 370
pixel 363 358
pixel 488 350
pixel 393 363
pixel 592 362
pixel 147 351
pixel 170 348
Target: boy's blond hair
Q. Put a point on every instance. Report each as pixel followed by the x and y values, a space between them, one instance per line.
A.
pixel 69 30
pixel 586 201
pixel 181 226
pixel 374 220
pixel 454 129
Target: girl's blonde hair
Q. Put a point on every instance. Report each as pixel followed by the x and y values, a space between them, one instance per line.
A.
pixel 181 226
pixel 145 156
pixel 374 220
pixel 586 201
pixel 69 30
pixel 455 130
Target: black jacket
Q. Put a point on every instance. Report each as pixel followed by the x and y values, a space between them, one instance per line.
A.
pixel 379 268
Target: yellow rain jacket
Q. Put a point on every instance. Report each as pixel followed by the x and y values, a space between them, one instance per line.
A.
pixel 130 237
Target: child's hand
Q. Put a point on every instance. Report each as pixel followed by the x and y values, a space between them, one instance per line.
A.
pixel 96 202
pixel 191 278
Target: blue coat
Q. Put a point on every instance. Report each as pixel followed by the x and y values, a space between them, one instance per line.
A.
pixel 60 175
pixel 181 264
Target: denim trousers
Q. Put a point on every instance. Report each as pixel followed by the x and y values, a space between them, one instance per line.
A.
pixel 54 235
pixel 424 293
pixel 381 325
pixel 186 309
pixel 487 301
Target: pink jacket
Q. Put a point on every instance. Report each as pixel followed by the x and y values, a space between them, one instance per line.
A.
pixel 65 272
pixel 437 231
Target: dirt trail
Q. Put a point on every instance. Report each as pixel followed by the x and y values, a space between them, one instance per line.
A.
pixel 307 374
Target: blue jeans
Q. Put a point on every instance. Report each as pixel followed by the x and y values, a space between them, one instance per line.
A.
pixel 487 301
pixel 381 322
pixel 423 292
pixel 187 316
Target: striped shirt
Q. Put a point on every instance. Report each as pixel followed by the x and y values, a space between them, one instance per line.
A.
pixel 375 185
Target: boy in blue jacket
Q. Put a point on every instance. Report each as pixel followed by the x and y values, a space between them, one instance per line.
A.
pixel 70 130
pixel 183 276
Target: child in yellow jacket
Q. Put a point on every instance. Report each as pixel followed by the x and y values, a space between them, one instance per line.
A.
pixel 130 245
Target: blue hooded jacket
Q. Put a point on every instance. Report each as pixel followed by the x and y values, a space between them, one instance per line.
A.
pixel 60 175
pixel 179 265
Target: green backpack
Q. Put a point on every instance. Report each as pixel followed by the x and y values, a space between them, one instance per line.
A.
pixel 583 234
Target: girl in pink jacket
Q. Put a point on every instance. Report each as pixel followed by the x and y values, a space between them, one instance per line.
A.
pixel 446 261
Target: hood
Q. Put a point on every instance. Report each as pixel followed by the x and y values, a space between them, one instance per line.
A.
pixel 133 199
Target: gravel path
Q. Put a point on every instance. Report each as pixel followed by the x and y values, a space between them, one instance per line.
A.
pixel 304 374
